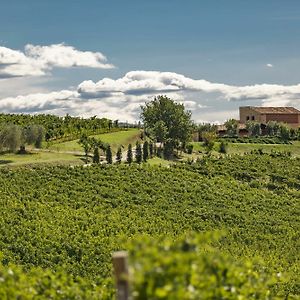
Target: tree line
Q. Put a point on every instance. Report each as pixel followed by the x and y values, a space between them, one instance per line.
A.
pixel 141 152
pixel 56 127
pixel 13 137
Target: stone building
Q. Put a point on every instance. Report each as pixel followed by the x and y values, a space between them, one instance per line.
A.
pixel 263 115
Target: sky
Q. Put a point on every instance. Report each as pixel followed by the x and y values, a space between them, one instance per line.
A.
pixel 108 58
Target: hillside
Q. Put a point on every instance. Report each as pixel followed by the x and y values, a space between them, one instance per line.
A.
pixel 76 217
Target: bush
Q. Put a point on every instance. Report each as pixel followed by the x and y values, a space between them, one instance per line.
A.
pixel 223 147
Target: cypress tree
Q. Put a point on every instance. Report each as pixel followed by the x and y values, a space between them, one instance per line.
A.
pixel 96 157
pixel 129 154
pixel 145 151
pixel 119 155
pixel 138 153
pixel 151 150
pixel 108 155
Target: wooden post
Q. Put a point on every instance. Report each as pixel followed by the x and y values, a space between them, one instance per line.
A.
pixel 120 264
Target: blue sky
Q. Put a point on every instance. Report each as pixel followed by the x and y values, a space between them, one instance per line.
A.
pixel 234 43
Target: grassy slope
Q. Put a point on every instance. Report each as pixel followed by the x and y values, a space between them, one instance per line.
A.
pixel 77 217
pixel 39 157
pixel 115 139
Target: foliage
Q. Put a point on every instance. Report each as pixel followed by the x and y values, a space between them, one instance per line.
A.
pixel 253 128
pixel 14 136
pixel 58 127
pixel 96 156
pixel 10 137
pixel 74 218
pixel 189 148
pixel 167 121
pixel 223 147
pixel 44 284
pixel 272 128
pixel 108 155
pixel 231 127
pixel 205 127
pixel 129 157
pixel 138 152
pixel 151 150
pixel 145 151
pixel 119 155
pixel 255 140
pixel 190 268
pixel 209 138
pixel 284 132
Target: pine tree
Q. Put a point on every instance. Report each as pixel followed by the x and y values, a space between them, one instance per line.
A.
pixel 145 151
pixel 129 154
pixel 108 155
pixel 119 155
pixel 138 153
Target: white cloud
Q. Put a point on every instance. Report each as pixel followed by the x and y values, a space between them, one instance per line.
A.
pixel 39 102
pixel 269 65
pixel 150 82
pixel 121 98
pixel 38 60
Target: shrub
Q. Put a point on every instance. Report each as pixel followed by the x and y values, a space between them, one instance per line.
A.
pixel 223 147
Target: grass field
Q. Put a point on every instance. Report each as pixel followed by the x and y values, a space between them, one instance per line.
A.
pixel 39 157
pixel 59 155
pixel 115 140
pixel 242 148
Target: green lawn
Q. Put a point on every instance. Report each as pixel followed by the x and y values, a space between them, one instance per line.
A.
pixel 39 157
pixel 115 139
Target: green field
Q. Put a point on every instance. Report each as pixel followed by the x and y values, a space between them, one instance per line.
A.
pixel 72 219
pixel 115 139
pixel 11 159
pixel 242 148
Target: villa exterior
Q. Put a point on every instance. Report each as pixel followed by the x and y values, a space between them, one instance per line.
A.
pixel 263 115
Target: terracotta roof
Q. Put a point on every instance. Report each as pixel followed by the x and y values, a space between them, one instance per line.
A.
pixel 275 110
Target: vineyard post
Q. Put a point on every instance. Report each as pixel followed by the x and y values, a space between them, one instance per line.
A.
pixel 120 265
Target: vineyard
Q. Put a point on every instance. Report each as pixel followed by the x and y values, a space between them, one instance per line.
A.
pixel 64 223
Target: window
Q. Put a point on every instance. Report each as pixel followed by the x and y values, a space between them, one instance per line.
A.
pixel 248 118
pixel 253 118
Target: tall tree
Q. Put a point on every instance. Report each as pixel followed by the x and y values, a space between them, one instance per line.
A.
pixel 231 127
pixel 96 156
pixel 273 128
pixel 85 142
pixel 145 151
pixel 138 152
pixel 167 122
pixel 108 155
pixel 253 128
pixel 151 152
pixel 11 137
pixel 129 154
pixel 119 155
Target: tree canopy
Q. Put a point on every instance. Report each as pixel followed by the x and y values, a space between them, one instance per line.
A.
pixel 167 121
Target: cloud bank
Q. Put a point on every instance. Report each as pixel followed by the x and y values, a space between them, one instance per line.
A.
pixel 121 98
pixel 39 60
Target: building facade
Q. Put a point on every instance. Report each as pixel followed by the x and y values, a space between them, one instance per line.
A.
pixel 263 115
